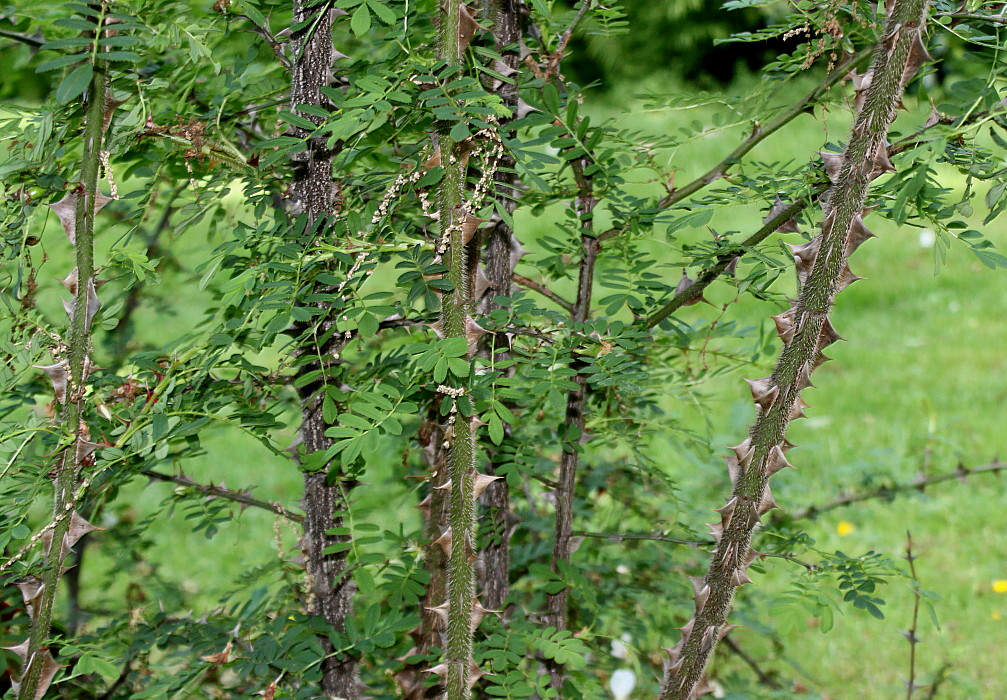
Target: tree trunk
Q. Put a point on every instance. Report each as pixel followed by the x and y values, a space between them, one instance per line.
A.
pixel 501 256
pixel 330 589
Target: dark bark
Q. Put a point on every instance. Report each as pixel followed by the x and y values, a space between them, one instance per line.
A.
pixel 559 603
pixel 500 258
pixel 330 587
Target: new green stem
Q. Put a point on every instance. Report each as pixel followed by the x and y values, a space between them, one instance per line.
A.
pixel 79 346
pixel 455 306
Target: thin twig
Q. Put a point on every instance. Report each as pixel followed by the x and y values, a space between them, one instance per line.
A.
pixel 619 536
pixel 889 492
pixel 576 404
pixel 759 134
pixel 939 678
pixel 564 40
pixel 994 19
pixel 31 40
pixel 724 260
pixel 222 492
pixel 764 677
pixel 695 290
pixel 543 290
pixel 910 634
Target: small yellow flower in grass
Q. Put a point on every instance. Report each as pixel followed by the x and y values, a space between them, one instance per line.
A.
pixel 1000 585
pixel 996 615
pixel 844 528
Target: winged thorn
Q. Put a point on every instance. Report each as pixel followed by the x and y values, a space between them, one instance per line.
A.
pixel 827 336
pixel 473 332
pixel 744 452
pixel 804 257
pixel 439 669
pixel 918 55
pixel 469 226
pixel 48 671
pixel 785 325
pixel 858 234
pixel 482 481
pixel 78 528
pixel 734 469
pixel 833 165
pixel 31 589
pixel 726 511
pixel 21 650
pixel 84 450
pixel 788 226
pixel 768 502
pixel 726 630
pixel 701 599
pixel 481 284
pixel 804 378
pixel 798 410
pixel 70 281
pixel 764 392
pixel 777 460
pixel 444 542
pixel 682 287
pixel 846 278
pixel 441 611
pixel 882 163
pixel 58 376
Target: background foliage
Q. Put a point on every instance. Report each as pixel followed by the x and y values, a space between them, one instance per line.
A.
pixel 213 282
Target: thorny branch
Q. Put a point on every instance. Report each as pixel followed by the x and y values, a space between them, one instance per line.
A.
pixel 888 492
pixel 214 491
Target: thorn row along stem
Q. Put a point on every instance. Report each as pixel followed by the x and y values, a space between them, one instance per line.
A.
pixel 457 671
pixel 805 330
pixel 68 375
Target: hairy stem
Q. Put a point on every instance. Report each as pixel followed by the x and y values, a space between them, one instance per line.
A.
pixel 805 331
pixel 39 666
pixel 459 543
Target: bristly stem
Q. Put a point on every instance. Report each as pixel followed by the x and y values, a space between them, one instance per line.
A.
pixel 805 331
pixel 34 677
pixel 460 544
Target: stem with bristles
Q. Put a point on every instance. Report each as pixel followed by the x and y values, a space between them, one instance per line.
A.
pixel 805 330
pixel 458 670
pixel 68 375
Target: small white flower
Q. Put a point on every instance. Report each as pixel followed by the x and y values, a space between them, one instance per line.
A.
pixel 618 649
pixel 622 569
pixel 621 684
